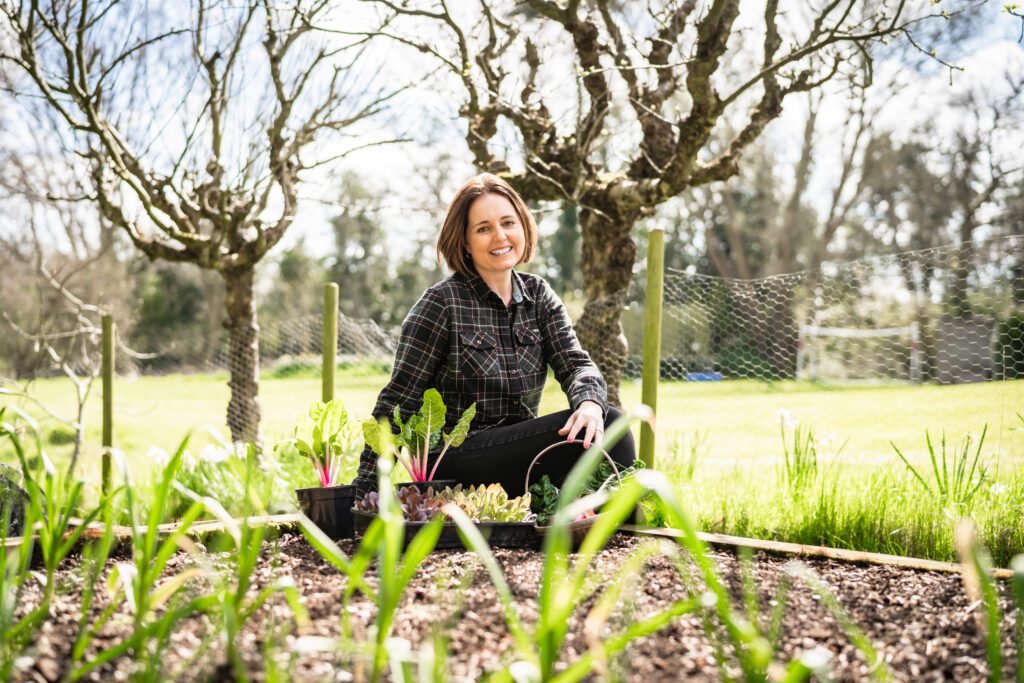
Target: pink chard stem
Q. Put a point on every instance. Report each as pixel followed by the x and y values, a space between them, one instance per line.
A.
pixel 434 470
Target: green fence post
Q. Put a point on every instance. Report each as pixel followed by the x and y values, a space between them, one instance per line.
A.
pixel 107 371
pixel 330 340
pixel 652 336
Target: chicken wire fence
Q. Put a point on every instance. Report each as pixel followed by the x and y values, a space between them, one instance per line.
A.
pixel 294 346
pixel 949 315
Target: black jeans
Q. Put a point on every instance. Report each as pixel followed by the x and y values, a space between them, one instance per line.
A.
pixel 503 454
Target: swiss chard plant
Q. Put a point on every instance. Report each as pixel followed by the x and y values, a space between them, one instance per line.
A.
pixel 323 436
pixel 421 434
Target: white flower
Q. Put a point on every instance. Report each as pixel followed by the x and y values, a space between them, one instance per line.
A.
pixel 218 438
pixel 213 454
pixel 997 489
pixel 787 418
pixel 158 455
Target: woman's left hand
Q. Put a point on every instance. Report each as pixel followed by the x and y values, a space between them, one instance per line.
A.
pixel 589 417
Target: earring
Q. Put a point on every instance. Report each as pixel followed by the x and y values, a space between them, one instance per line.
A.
pixel 469 257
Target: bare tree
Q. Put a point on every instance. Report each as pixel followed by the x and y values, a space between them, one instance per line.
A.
pixel 978 168
pixel 196 124
pixel 68 339
pixel 656 82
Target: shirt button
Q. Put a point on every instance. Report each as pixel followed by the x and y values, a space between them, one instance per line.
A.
pixel 513 371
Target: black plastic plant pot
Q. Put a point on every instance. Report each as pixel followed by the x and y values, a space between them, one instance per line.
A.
pixel 330 508
pixel 497 534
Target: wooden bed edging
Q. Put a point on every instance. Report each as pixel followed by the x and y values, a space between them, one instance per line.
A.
pixel 720 540
pixel 815 551
pixel 202 528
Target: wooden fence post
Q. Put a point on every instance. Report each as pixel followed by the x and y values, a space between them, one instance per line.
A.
pixel 652 336
pixel 329 345
pixel 107 371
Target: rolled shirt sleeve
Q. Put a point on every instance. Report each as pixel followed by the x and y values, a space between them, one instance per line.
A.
pixel 575 371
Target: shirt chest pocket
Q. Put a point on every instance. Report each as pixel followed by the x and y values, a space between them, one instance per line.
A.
pixel 479 355
pixel 531 356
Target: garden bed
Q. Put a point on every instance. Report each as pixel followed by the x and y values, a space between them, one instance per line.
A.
pixel 922 622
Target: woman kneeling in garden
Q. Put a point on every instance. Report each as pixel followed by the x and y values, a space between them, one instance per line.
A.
pixel 487 335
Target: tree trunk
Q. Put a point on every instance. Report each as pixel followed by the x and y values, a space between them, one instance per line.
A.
pixel 607 264
pixel 765 310
pixel 777 329
pixel 243 355
pixel 963 266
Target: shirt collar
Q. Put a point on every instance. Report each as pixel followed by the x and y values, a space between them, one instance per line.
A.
pixel 480 288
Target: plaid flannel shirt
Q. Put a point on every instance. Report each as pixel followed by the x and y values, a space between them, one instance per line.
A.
pixel 461 339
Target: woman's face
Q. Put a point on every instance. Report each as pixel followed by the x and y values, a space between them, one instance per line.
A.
pixel 495 238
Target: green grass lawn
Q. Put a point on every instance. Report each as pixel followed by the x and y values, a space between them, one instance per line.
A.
pixel 740 419
pixel 860 495
pixel 737 422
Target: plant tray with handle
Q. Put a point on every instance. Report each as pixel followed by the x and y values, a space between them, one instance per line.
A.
pixel 579 527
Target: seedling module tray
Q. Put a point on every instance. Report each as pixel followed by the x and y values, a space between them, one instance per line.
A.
pixel 497 534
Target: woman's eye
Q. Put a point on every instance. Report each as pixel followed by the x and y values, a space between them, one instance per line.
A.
pixel 508 223
pixel 482 228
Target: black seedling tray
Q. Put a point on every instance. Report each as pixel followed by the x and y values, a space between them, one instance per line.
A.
pixel 497 534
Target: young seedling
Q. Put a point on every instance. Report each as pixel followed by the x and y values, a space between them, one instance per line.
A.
pixel 384 538
pixel 156 605
pixel 563 581
pixel 421 434
pixel 49 510
pixel 956 479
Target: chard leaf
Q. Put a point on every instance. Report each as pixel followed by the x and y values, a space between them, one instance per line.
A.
pixel 432 413
pixel 318 441
pixel 333 417
pixel 315 411
pixel 461 428
pixel 410 437
pixel 303 447
pixel 371 434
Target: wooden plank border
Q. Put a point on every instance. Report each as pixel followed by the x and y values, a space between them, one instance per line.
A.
pixel 812 551
pixel 209 527
pixel 197 529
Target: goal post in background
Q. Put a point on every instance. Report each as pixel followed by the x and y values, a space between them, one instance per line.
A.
pixel 809 352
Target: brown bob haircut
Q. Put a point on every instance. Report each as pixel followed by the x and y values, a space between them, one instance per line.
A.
pixel 451 243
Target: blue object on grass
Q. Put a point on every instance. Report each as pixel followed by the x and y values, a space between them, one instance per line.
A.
pixel 703 377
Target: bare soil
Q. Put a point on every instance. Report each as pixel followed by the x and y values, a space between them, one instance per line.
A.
pixel 922 622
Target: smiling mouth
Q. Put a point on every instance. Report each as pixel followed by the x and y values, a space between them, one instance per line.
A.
pixel 500 252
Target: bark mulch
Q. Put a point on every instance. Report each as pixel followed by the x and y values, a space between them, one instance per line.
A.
pixel 922 622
